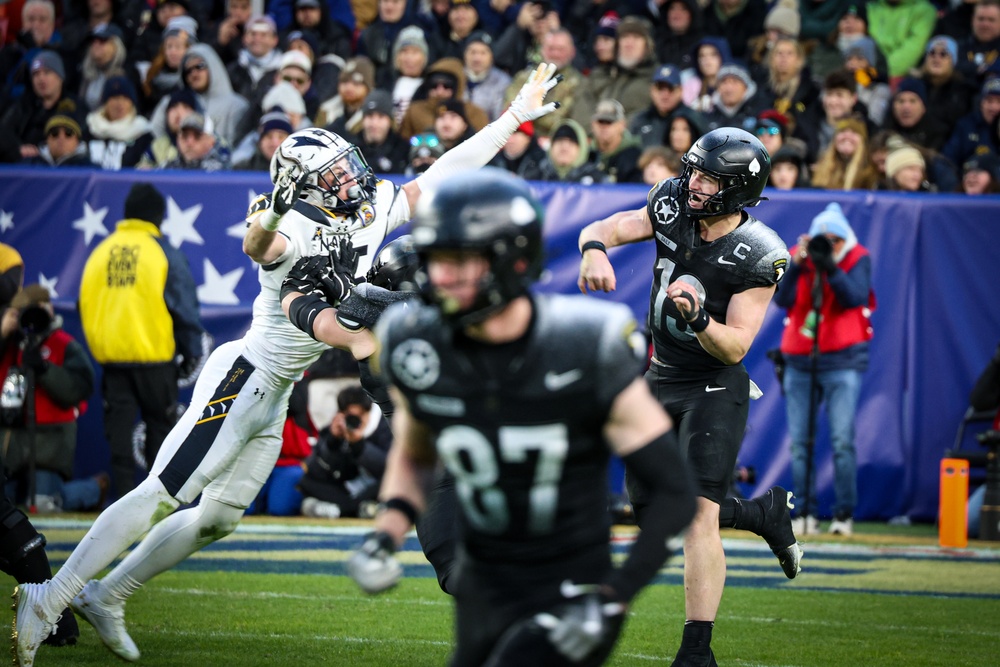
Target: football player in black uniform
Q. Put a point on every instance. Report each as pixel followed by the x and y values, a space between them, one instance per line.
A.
pixel 715 273
pixel 523 397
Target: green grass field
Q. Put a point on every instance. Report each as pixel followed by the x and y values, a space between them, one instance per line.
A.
pixel 273 593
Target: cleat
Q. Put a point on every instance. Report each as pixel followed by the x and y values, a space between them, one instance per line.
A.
pixel 777 530
pixel 30 627
pixel 843 527
pixel 687 661
pixel 108 621
pixel 67 631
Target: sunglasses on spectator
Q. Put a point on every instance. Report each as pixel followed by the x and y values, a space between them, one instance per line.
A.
pixel 447 85
pixel 60 131
pixel 195 67
pixel 295 79
pixel 603 121
pixel 768 130
pixel 424 140
pixel 940 53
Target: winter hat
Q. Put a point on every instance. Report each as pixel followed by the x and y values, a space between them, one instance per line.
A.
pixel 991 86
pixel 306 36
pixel 903 157
pixel 263 21
pixel 198 122
pixel 913 85
pixel 105 31
pixel 864 47
pixel 144 202
pixel 183 96
pixel 454 106
pixel 947 43
pixel 608 25
pixel 784 19
pixel 860 10
pixel 527 127
pixel 566 132
pixel 736 71
pixel 284 95
pixel 634 25
pixel 275 119
pixel 377 101
pixel 179 24
pixel 295 59
pixel 410 36
pixel 609 110
pixel 64 121
pixel 831 221
pixel 987 162
pixel 359 69
pixel 49 60
pixel 482 37
pixel 118 85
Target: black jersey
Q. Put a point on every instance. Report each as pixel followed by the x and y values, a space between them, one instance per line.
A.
pixel 752 255
pixel 520 428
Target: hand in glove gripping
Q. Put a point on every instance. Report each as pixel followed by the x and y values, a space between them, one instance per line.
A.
pixel 585 622
pixel 315 275
pixel 288 188
pixel 373 566
pixel 529 103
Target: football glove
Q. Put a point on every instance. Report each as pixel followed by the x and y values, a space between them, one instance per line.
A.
pixel 373 566
pixel 585 622
pixel 314 275
pixel 529 103
pixel 288 188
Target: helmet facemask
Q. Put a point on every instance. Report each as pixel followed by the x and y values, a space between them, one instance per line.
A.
pixel 346 172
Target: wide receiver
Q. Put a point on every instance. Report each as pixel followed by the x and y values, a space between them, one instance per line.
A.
pixel 523 397
pixel 226 443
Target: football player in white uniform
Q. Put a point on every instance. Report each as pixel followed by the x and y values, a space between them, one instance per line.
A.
pixel 226 443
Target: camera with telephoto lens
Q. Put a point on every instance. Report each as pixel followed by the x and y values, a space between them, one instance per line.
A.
pixel 352 421
pixel 35 320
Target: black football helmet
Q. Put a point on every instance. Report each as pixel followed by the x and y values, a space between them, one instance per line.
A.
pixel 395 266
pixel 738 160
pixel 489 211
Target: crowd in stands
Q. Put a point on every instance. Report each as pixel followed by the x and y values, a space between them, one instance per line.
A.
pixel 890 94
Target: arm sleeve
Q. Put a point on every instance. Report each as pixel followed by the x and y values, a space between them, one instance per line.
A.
pixel 851 288
pixel 471 154
pixel 180 295
pixel 660 468
pixel 73 382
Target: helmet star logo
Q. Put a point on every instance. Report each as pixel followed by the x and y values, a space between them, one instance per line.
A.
pixel 754 167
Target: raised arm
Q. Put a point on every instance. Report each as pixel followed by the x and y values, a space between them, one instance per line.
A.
pixel 596 272
pixel 262 243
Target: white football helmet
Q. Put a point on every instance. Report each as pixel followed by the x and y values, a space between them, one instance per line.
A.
pixel 330 163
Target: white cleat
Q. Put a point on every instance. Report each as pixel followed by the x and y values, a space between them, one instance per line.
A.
pixel 30 627
pixel 108 621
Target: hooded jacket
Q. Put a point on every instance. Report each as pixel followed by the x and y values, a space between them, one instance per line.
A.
pixel 582 170
pixel 422 111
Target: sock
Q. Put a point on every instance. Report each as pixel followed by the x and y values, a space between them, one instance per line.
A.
pixel 117 590
pixel 697 639
pixel 743 514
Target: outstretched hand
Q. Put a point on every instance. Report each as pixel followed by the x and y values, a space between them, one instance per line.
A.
pixel 288 188
pixel 530 101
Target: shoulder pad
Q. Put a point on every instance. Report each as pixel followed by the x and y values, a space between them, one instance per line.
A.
pixel 261 203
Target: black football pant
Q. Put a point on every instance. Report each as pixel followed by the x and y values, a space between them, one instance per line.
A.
pixel 150 391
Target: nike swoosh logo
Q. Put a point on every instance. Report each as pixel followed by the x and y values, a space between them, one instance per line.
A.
pixel 710 389
pixel 726 262
pixel 556 381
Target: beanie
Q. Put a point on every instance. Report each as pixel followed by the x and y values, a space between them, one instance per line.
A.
pixel 915 86
pixel 49 60
pixel 785 20
pixel 119 85
pixel 902 157
pixel 144 202
pixel 831 221
pixel 945 42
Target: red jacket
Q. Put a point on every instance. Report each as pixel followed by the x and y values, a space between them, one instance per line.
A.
pixel 53 350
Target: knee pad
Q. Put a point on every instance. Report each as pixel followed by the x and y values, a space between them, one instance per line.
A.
pixel 216 520
pixel 18 541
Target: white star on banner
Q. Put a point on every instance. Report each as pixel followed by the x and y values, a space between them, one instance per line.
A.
pixel 49 284
pixel 6 221
pixel 92 223
pixel 239 230
pixel 219 288
pixel 178 225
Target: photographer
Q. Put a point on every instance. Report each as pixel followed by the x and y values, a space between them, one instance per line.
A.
pixel 347 464
pixel 827 289
pixel 35 350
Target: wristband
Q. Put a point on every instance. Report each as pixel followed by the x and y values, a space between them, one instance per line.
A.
pixel 593 245
pixel 269 220
pixel 401 505
pixel 700 321
pixel 303 311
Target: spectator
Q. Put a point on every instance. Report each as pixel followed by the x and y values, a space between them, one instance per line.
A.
pixel 11 274
pixel 451 126
pixel 345 468
pixel 444 80
pixel 384 149
pixel 859 59
pixel 163 149
pixel 34 341
pixel 28 116
pixel 980 174
pixel 485 84
pixel 117 136
pixel 105 58
pixel 819 18
pixel 557 48
pixel 568 157
pixel 280 495
pixel 734 103
pixel 64 146
pixel 425 149
pixel 377 41
pixel 677 26
pixel 901 28
pixel 273 129
pixel 787 87
pixel 788 169
pixel 782 22
pixel 979 51
pixel 519 45
pixel 522 155
pixel 146 44
pixel 38 18
pixel 838 328
pixel 771 129
pixel 838 100
pixel 463 20
pixel 199 147
pixel 685 127
pixel 908 116
pixel 949 93
pixel 972 130
pixel 139 311
pixel 616 151
pixel 286 96
pixel 827 54
pixel 295 71
pixel 906 170
pixel 342 113
pixel 409 57
pixel 325 68
pixel 698 82
pixel 628 80
pixel 666 96
pixel 736 21
pixel 333 36
pixel 164 73
pixel 846 165
pixel 603 45
pixel 259 58
pixel 658 163
pixel 228 39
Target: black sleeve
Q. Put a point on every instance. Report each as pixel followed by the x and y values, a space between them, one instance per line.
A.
pixel 986 394
pixel 73 382
pixel 10 282
pixel 661 469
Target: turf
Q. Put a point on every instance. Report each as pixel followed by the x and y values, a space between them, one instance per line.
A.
pixel 273 594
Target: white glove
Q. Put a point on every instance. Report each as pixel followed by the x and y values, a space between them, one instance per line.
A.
pixel 529 103
pixel 287 190
pixel 373 566
pixel 584 623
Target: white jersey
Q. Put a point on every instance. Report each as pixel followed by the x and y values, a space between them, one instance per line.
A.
pixel 273 344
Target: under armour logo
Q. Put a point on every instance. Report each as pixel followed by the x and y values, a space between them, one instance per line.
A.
pixel 258 392
pixel 754 167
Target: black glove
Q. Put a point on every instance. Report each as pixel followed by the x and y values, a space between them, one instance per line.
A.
pixel 345 259
pixel 821 251
pixel 32 358
pixel 585 622
pixel 288 188
pixel 187 367
pixel 314 275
